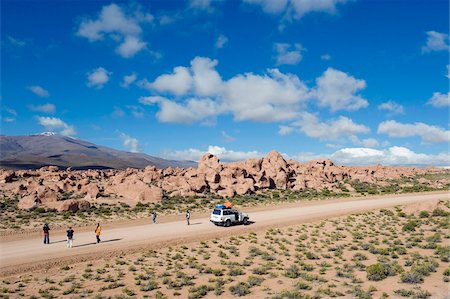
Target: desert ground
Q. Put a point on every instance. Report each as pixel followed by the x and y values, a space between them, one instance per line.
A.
pixel 337 248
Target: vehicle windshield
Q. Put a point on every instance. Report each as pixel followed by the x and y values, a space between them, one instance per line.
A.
pixel 216 212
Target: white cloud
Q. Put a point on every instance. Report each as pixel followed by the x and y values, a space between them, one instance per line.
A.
pixel 285 130
pixel 124 28
pixel 98 77
pixel 224 154
pixel 39 91
pixel 439 100
pixel 448 71
pixel 270 97
pixel 310 125
pixel 178 83
pixel 130 46
pixel 128 80
pixel 206 79
pixel 325 57
pixel 297 8
pixel 221 41
pixel 426 132
pixel 338 91
pixel 368 142
pixel 391 107
pixel 45 108
pixel 288 54
pixel 192 111
pixel 273 96
pixel 136 111
pixel 130 143
pixel 53 123
pixel 392 156
pixel 436 41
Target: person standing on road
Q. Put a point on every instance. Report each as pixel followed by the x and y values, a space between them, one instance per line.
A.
pixel 188 217
pixel 98 230
pixel 46 230
pixel 70 237
pixel 154 216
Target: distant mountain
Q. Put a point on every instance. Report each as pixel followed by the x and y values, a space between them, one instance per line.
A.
pixel 35 151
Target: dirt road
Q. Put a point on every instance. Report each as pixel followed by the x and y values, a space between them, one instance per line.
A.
pixel 26 253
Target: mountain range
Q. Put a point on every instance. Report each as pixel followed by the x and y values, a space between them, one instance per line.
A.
pixel 36 151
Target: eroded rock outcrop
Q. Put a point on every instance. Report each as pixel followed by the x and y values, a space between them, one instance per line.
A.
pixel 50 187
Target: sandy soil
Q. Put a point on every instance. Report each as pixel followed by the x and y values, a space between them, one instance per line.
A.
pixel 27 253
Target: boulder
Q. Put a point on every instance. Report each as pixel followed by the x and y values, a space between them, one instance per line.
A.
pixel 74 205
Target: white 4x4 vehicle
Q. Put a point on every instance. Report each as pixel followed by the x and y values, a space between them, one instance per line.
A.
pixel 227 217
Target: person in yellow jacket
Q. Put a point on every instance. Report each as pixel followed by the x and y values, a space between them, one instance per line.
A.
pixel 98 230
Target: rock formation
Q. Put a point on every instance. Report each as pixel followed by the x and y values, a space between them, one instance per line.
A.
pixel 69 190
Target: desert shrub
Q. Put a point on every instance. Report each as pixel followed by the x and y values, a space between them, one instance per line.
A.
pixel 303 286
pixel 292 271
pixel 424 214
pixel 440 212
pixel 149 286
pixel 446 272
pixel 199 292
pixel 425 267
pixel 380 271
pixel 359 257
pixel 254 281
pixel 404 292
pixel 241 289
pixel 235 271
pixel 292 295
pixel 411 226
pixel 412 277
pixel 421 294
pixel 443 252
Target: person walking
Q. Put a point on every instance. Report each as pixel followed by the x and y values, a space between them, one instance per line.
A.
pixel 46 230
pixel 154 217
pixel 188 217
pixel 98 230
pixel 70 237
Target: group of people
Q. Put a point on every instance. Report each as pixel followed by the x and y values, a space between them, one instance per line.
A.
pixel 98 230
pixel 69 234
pixel 188 217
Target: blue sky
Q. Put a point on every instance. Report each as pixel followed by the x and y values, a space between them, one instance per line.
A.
pixel 360 82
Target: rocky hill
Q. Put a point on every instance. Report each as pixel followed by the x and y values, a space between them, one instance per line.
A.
pixel 36 151
pixel 52 188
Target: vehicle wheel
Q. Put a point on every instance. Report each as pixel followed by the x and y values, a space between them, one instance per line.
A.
pixel 228 223
pixel 245 221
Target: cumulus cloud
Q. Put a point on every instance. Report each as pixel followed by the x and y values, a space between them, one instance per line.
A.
pixel 391 107
pixel 57 124
pixel 273 96
pixel 136 111
pixel 178 82
pixel 439 100
pixel 325 57
pixel 427 133
pixel 296 9
pixel 333 129
pixel 288 54
pixel 395 155
pixel 436 41
pixel 130 143
pixel 122 27
pixel 128 80
pixel 45 108
pixel 39 91
pixel 367 142
pixel 285 130
pixel 221 41
pixel 224 154
pixel 98 77
pixel 338 91
pixel 191 111
pixel 205 5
